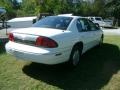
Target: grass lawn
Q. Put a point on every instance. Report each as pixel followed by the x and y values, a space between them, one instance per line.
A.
pixel 98 69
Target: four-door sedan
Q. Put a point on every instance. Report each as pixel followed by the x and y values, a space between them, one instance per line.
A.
pixel 55 39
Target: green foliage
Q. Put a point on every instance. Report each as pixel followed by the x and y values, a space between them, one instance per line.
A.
pixel 82 8
pixel 15 4
pixel 114 6
pixel 28 7
pixel 7 4
pixel 98 8
pixel 85 9
pixel 54 6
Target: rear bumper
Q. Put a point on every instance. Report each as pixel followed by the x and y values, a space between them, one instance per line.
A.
pixel 39 55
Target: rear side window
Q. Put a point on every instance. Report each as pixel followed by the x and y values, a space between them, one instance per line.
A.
pixel 55 22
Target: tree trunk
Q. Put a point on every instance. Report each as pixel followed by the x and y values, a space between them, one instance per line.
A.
pixel 115 21
pixel 118 22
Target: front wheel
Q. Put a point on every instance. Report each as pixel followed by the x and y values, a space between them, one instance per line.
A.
pixel 75 56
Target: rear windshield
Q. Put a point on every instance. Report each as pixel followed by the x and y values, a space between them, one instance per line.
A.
pixel 55 22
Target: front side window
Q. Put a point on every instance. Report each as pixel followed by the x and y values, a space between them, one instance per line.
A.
pixel 55 22
pixel 93 26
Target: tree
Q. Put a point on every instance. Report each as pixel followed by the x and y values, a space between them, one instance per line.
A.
pixel 114 7
pixel 98 8
pixel 8 6
pixel 28 7
pixel 15 3
pixel 84 9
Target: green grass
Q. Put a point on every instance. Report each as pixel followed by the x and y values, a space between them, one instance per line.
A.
pixel 98 69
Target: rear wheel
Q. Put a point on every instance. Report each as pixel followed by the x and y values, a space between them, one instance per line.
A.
pixel 75 56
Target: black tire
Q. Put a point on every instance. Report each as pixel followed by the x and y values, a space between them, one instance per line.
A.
pixel 74 58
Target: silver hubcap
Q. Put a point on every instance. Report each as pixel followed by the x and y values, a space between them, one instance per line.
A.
pixel 76 57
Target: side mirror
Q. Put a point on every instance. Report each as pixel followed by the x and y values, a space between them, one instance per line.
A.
pixel 97 25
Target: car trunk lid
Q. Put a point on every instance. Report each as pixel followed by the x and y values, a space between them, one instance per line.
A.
pixel 39 31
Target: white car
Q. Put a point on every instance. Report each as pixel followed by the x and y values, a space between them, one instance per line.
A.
pixel 99 21
pixel 55 39
pixel 109 21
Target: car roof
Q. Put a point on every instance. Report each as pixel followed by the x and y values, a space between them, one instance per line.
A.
pixel 94 17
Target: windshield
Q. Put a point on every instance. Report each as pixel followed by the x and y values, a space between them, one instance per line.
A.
pixel 99 19
pixel 55 22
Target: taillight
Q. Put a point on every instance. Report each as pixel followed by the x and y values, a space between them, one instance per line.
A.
pixel 45 42
pixel 11 37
